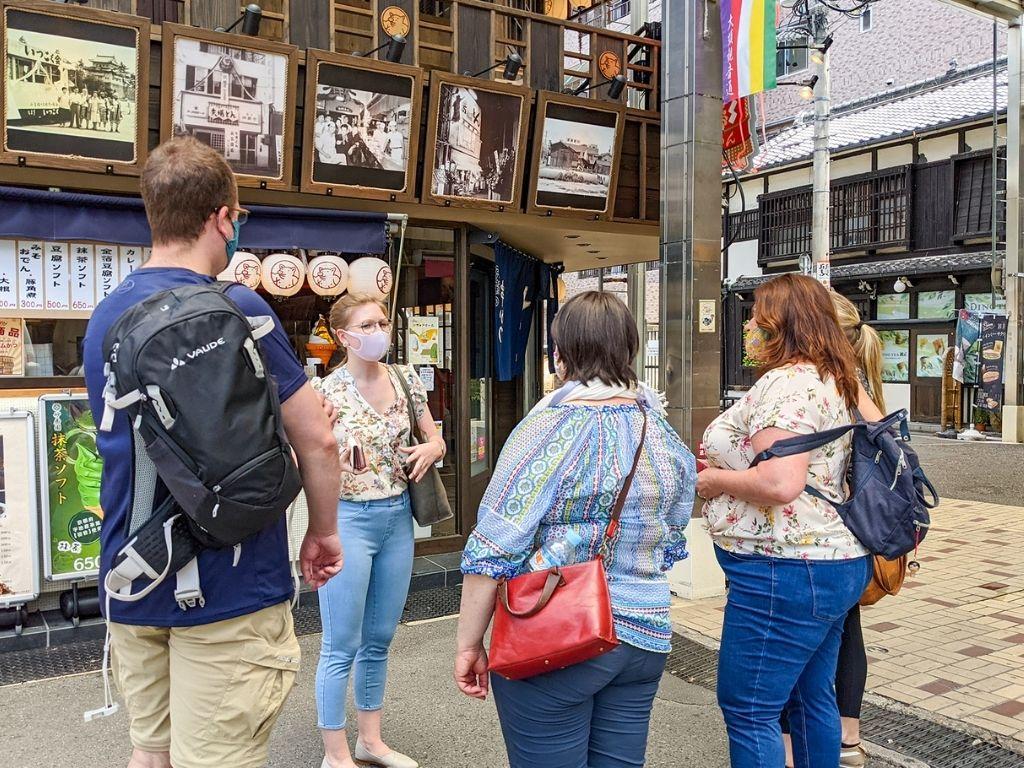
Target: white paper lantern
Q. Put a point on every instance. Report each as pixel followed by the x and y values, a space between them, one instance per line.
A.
pixel 371 277
pixel 283 274
pixel 243 268
pixel 328 275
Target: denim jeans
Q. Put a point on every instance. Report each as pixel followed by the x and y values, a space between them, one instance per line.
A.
pixel 780 640
pixel 361 606
pixel 591 715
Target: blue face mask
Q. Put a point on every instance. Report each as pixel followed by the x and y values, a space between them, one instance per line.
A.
pixel 232 245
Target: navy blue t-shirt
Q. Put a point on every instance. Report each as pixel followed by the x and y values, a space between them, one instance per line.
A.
pixel 262 576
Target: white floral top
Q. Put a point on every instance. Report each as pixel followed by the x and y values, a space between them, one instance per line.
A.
pixel 378 434
pixel 793 398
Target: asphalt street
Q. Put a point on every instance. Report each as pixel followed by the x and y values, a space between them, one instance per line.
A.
pixel 425 717
pixel 982 471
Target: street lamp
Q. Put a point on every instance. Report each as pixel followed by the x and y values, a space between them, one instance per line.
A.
pixel 806 87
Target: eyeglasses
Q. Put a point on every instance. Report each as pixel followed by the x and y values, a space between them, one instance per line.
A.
pixel 242 213
pixel 369 327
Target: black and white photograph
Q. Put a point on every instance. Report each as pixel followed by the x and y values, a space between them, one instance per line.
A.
pixel 235 99
pixel 362 128
pixel 577 158
pixel 71 87
pixel 477 152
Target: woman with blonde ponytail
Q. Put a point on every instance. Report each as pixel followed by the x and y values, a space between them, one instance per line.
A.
pixel 852 664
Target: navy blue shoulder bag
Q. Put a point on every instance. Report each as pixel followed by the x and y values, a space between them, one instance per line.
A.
pixel 887 509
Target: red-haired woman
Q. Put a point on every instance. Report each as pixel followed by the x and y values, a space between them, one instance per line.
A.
pixel 794 569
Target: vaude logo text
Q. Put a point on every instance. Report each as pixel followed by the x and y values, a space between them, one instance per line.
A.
pixel 176 363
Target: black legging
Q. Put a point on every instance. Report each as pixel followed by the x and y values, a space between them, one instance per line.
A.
pixel 851 670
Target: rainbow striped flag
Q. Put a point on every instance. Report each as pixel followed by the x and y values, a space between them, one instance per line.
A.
pixel 749 46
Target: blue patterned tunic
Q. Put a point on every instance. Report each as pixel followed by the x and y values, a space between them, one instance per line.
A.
pixel 562 468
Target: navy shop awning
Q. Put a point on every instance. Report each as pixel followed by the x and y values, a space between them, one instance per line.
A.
pixel 43 215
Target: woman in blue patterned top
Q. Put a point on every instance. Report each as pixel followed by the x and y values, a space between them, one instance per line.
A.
pixel 561 471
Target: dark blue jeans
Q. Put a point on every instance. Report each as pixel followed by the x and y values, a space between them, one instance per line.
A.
pixel 590 715
pixel 783 623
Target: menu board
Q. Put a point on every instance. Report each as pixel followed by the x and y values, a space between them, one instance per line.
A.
pixel 71 470
pixel 12 347
pixel 893 306
pixel 57 270
pixel 895 356
pixel 106 271
pixel 993 343
pixel 936 305
pixel 8 274
pixel 930 354
pixel 83 268
pixel 30 275
pixel 19 536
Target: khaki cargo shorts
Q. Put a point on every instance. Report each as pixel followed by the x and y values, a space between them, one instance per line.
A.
pixel 209 694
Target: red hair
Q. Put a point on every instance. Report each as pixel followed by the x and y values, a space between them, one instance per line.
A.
pixel 801 326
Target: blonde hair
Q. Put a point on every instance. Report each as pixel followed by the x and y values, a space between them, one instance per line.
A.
pixel 866 345
pixel 342 309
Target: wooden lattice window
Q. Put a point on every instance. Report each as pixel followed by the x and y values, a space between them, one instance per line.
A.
pixel 871 211
pixel 785 225
pixel 745 225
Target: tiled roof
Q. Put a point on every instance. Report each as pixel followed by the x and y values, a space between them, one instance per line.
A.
pixel 924 106
pixel 915 265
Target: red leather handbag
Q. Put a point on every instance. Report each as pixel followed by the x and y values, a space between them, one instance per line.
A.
pixel 548 620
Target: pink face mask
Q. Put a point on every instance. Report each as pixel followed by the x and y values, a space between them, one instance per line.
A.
pixel 372 346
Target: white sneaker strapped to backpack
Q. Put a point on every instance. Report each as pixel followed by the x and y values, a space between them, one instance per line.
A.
pixel 186 367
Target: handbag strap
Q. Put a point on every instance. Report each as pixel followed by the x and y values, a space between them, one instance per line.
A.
pixel 620 501
pixel 550 585
pixel 413 426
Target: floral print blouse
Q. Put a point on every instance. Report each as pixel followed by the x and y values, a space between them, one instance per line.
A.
pixel 793 398
pixel 379 434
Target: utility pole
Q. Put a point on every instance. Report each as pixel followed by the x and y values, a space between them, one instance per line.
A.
pixel 820 235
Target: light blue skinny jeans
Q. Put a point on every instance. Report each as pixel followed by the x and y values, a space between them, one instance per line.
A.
pixel 361 606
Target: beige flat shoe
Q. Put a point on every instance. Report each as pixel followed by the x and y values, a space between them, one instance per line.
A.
pixel 392 759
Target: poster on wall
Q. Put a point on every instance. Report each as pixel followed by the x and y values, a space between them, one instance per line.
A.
pixel 982 302
pixel 936 305
pixel 76 87
pixel 893 306
pixel 476 141
pixel 967 347
pixel 364 137
pixel 423 340
pixel 12 347
pixel 235 94
pixel 576 161
pixel 993 342
pixel 19 536
pixel 895 356
pixel 931 354
pixel 70 487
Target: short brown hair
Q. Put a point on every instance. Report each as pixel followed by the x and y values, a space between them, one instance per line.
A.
pixel 597 338
pixel 183 182
pixel 799 319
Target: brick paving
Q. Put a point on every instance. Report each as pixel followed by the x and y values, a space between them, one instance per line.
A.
pixel 952 642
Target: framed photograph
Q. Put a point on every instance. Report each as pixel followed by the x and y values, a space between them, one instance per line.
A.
pixel 76 87
pixel 576 156
pixel 236 94
pixel 362 139
pixel 476 138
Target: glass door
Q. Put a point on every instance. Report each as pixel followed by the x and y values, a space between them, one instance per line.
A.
pixel 481 385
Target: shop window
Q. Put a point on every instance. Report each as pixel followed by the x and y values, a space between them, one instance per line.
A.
pixel 243 88
pixel 202 80
pixel 35 349
pixel 972 197
pixel 785 225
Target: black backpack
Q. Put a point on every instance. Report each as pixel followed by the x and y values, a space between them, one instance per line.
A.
pixel 887 509
pixel 186 366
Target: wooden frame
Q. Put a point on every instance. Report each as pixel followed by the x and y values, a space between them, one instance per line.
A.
pixel 440 80
pixel 106 156
pixel 568 104
pixel 309 183
pixel 231 110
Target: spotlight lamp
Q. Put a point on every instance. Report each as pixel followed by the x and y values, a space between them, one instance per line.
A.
pixel 512 63
pixel 806 87
pixel 395 47
pixel 250 21
pixel 616 86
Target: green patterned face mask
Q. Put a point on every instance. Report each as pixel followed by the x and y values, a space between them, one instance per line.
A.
pixel 753 344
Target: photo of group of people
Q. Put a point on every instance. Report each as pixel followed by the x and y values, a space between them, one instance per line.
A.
pixel 362 128
pixel 476 155
pixel 70 87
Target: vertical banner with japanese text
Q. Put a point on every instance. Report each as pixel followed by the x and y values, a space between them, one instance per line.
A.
pixel 71 468
pixel 993 341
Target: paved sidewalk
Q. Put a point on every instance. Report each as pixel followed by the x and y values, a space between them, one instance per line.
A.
pixel 425 717
pixel 952 642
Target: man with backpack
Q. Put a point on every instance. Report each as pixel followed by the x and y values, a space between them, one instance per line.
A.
pixel 204 674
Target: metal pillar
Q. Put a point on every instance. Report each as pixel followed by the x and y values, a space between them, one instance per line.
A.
pixel 1013 409
pixel 636 280
pixel 691 218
